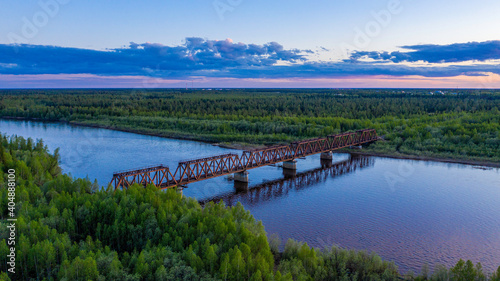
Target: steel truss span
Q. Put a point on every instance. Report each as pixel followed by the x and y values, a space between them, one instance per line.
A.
pixel 206 168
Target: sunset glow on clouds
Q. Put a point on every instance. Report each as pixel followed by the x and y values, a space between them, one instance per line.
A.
pixel 224 62
pixel 384 40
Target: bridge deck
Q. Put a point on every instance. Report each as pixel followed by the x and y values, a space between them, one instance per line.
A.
pixel 210 167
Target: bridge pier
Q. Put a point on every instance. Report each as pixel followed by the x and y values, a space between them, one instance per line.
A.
pixel 241 177
pixel 180 189
pixel 290 165
pixel 326 155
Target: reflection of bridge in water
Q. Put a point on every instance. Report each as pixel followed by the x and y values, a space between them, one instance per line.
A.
pixel 206 168
pixel 293 181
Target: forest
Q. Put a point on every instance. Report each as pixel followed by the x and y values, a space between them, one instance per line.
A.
pixel 71 229
pixel 453 125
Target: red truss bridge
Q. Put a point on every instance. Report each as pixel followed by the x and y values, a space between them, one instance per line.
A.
pixel 206 168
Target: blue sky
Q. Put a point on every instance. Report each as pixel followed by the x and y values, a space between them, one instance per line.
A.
pixel 243 43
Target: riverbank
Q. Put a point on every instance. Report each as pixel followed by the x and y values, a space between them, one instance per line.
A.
pixel 250 146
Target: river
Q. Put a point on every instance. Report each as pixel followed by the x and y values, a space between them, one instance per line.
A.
pixel 407 211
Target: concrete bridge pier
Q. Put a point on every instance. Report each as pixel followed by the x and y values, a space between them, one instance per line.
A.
pixel 290 168
pixel 290 165
pixel 326 159
pixel 179 189
pixel 326 155
pixel 241 177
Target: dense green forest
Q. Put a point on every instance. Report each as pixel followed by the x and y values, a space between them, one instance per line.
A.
pixel 71 229
pixel 464 125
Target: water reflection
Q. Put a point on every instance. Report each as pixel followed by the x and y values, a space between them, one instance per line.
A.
pixel 292 181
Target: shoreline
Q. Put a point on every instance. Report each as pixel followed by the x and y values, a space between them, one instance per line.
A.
pixel 247 146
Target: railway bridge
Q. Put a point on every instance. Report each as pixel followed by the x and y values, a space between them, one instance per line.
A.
pixel 206 168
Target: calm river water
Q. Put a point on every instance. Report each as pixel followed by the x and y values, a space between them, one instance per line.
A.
pixel 411 212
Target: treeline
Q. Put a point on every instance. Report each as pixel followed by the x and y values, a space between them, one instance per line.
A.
pixel 465 126
pixel 70 229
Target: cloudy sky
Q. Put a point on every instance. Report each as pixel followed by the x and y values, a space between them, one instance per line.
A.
pixel 250 43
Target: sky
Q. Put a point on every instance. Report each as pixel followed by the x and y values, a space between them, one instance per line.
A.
pixel 243 43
